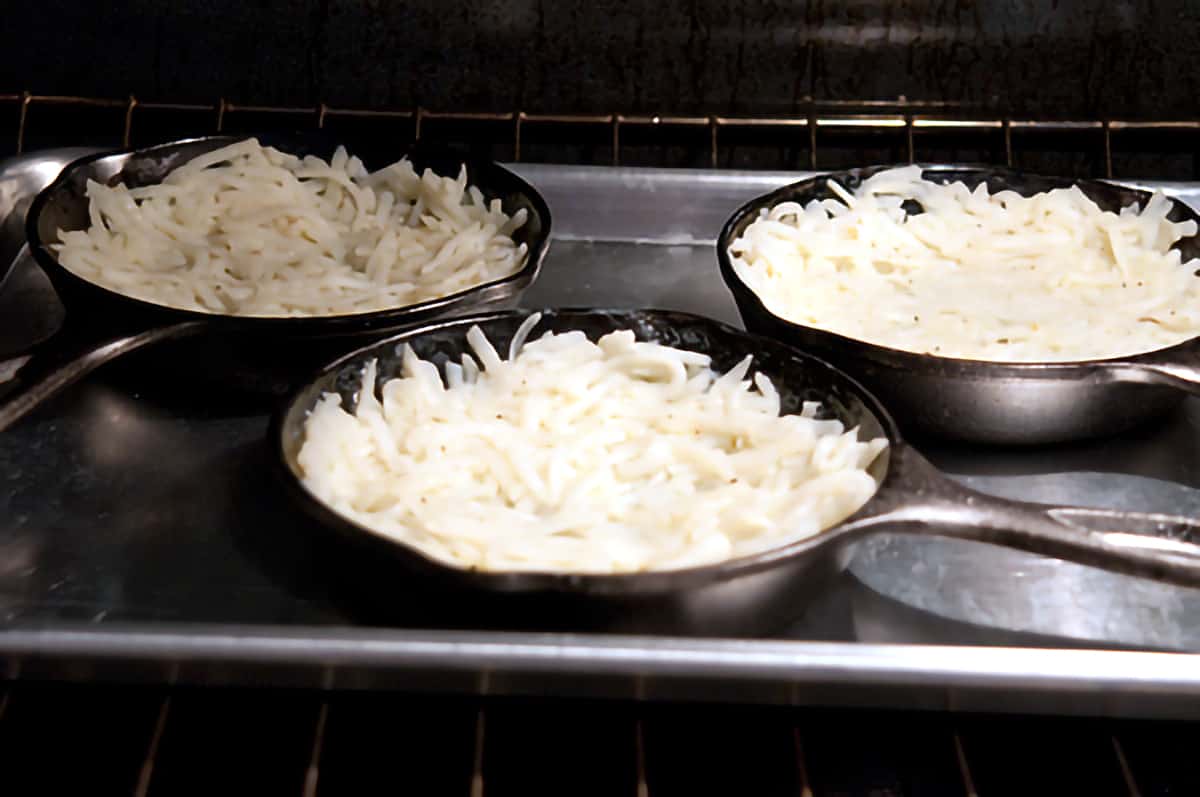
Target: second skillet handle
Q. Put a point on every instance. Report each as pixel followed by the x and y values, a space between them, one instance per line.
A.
pixel 1177 367
pixel 1164 548
pixel 29 380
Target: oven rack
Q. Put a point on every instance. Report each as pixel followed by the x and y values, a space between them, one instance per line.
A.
pixel 151 741
pixel 821 124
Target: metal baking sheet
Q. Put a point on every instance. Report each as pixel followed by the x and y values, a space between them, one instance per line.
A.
pixel 139 539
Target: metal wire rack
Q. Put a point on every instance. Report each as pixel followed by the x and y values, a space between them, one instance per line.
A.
pixel 57 739
pixel 907 122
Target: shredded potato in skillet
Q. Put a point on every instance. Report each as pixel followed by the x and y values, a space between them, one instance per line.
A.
pixel 981 276
pixel 250 230
pixel 580 456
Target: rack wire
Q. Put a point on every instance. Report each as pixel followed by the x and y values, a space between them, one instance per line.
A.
pixel 820 122
pixel 149 742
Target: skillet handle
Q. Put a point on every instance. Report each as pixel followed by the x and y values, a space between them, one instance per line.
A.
pixel 1163 548
pixel 1178 367
pixel 29 380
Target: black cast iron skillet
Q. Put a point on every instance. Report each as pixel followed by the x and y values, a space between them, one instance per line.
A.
pixel 978 401
pixel 755 591
pixel 102 324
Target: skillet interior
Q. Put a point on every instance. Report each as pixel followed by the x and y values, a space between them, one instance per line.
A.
pixel 731 597
pixel 976 401
pixel 246 351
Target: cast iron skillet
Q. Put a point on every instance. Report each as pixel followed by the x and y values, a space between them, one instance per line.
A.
pixel 754 591
pixel 989 402
pixel 102 324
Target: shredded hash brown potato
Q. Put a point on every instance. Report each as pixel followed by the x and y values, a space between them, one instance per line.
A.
pixel 249 230
pixel 981 276
pixel 586 457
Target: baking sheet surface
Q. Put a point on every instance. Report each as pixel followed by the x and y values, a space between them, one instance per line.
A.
pixel 135 520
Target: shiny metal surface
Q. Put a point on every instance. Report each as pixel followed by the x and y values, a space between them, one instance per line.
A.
pixel 21 179
pixel 956 678
pixel 138 541
pixel 988 586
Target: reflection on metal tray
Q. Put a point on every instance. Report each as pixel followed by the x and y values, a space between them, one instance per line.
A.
pixel 137 535
pixel 1011 590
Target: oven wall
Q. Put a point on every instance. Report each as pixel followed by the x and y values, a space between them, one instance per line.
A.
pixel 1046 58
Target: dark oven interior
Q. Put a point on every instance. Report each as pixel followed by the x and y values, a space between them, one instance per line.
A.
pixel 76 740
pixel 1065 86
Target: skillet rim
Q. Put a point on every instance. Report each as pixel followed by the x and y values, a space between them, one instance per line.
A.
pixel 504 287
pixel 635 584
pixel 886 355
